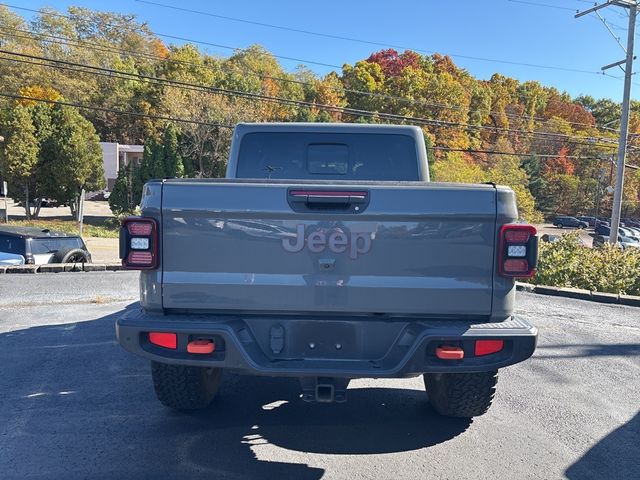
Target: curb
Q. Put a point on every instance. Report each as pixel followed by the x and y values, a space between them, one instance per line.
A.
pixel 63 267
pixel 577 293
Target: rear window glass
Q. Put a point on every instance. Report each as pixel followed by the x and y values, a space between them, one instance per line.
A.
pixel 52 245
pixel 9 244
pixel 328 156
pixel 328 159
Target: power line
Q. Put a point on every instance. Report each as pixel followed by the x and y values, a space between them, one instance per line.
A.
pixel 515 154
pixel 380 44
pixel 557 7
pixel 175 37
pixel 83 44
pixel 222 125
pixel 343 110
pixel 529 154
pixel 112 110
pixel 537 4
pixel 95 46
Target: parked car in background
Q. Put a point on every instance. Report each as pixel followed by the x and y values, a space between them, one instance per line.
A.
pixel 39 246
pixel 623 242
pixel 591 221
pixel 605 230
pixel 572 222
pixel 631 233
pixel 631 222
pixel 550 238
pixel 9 259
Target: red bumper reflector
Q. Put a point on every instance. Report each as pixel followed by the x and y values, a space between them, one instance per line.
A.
pixel 449 353
pixel 487 347
pixel 202 347
pixel 162 339
pixel 516 266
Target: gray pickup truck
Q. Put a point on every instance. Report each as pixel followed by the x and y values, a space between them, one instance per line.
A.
pixel 326 254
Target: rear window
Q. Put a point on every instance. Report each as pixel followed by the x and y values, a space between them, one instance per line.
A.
pixel 328 156
pixel 54 244
pixel 10 244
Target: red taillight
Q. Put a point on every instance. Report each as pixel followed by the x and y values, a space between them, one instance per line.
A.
pixel 517 251
pixel 139 243
pixel 514 265
pixel 163 339
pixel 142 229
pixel 487 347
pixel 517 236
pixel 140 258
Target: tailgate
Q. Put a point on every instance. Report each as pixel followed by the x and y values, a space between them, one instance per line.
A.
pixel 410 248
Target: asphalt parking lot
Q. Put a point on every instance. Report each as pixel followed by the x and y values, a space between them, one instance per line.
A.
pixel 75 405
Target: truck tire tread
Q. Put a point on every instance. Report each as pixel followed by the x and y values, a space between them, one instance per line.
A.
pixel 462 395
pixel 185 388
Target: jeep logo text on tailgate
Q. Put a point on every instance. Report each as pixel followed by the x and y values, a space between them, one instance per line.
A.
pixel 338 242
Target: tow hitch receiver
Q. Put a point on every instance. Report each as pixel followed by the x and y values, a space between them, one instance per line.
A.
pixel 324 389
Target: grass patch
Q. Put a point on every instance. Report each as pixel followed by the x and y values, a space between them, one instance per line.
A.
pixel 107 228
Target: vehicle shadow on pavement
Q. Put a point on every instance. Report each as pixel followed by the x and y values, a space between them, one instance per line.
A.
pixel 76 405
pixel 621 445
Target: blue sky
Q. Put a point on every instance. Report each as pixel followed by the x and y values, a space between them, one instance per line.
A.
pixel 496 30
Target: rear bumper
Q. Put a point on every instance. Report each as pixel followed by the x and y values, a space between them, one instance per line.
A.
pixel 336 347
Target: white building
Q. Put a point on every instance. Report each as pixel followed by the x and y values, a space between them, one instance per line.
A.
pixel 115 156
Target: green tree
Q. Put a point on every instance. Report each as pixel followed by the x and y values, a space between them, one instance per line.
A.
pixel 152 165
pixel 537 184
pixel 71 158
pixel 173 165
pixel 19 157
pixel 122 199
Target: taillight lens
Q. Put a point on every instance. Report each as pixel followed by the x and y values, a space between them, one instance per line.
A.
pixel 141 228
pixel 139 243
pixel 517 251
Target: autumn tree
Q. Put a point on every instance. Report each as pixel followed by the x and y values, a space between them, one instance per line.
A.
pixel 392 63
pixel 505 169
pixel 457 168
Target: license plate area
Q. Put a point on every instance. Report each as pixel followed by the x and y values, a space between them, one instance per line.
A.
pixel 325 339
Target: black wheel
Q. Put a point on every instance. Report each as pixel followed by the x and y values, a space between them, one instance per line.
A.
pixel 185 388
pixel 559 225
pixel 74 255
pixel 462 395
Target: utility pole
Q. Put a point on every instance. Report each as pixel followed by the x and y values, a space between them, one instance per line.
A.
pixel 632 6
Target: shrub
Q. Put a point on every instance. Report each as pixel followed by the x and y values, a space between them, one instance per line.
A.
pixel 568 263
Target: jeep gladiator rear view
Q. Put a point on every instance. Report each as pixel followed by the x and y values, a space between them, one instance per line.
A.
pixel 326 254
